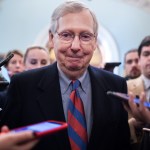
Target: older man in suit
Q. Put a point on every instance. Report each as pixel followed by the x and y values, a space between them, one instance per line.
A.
pixel 43 94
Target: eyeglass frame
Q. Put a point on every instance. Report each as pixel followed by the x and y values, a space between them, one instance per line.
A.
pixel 92 36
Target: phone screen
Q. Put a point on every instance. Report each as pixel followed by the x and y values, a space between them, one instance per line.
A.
pixel 40 127
pixel 125 97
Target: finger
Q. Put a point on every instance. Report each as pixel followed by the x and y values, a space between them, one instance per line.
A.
pixel 134 107
pixel 5 129
pixel 142 97
pixel 23 136
pixel 28 145
pixel 141 102
pixel 131 101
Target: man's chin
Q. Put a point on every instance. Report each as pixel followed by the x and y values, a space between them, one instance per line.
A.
pixel 73 68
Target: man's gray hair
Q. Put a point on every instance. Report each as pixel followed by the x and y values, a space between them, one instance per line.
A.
pixel 70 7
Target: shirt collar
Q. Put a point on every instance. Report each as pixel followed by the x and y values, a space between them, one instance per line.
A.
pixel 146 81
pixel 65 81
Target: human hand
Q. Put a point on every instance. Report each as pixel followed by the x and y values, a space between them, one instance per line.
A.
pixel 140 112
pixel 24 140
pixel 4 130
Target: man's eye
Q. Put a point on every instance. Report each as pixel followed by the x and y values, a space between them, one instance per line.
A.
pixel 85 37
pixel 66 35
pixel 146 53
pixel 129 62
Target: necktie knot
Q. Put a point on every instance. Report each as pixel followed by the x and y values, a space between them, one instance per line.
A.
pixel 75 84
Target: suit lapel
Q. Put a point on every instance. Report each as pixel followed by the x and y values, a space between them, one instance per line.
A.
pixel 50 102
pixel 49 95
pixel 98 91
pixel 99 103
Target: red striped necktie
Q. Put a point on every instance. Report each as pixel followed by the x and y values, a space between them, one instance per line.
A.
pixel 77 129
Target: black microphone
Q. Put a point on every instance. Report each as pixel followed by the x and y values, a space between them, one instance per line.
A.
pixel 3 62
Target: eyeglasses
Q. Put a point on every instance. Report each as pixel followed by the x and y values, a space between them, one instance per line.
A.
pixel 68 37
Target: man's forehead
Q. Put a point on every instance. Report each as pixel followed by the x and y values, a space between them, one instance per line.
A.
pixel 81 21
pixel 146 48
pixel 131 54
pixel 84 14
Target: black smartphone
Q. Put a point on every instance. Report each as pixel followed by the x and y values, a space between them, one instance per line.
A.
pixel 43 128
pixel 3 62
pixel 125 97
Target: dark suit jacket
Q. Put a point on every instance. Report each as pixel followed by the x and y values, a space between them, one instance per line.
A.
pixel 35 96
pixel 2 101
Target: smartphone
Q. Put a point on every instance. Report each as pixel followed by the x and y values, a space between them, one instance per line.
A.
pixel 43 128
pixel 125 97
pixel 3 62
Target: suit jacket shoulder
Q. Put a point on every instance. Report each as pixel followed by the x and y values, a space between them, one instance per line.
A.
pixel 108 80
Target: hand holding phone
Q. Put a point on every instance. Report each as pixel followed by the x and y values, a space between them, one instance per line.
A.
pixel 139 113
pixel 3 62
pixel 43 128
pixel 125 97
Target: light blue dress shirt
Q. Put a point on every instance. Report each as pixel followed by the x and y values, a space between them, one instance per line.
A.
pixel 146 82
pixel 85 94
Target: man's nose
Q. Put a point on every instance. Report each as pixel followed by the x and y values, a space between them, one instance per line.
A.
pixel 75 43
pixel 134 63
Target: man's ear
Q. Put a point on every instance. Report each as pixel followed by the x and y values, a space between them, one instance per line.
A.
pixel 95 44
pixel 51 44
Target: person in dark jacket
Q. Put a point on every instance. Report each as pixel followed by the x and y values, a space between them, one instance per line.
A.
pixel 43 94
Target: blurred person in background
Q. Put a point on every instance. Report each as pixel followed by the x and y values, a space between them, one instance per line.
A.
pixel 139 85
pixel 36 57
pixel 14 65
pixel 131 66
